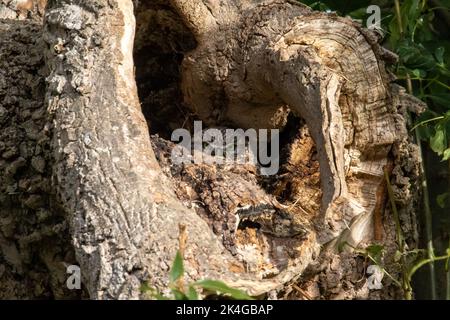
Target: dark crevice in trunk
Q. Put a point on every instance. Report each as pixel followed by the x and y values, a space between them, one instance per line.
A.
pixel 161 42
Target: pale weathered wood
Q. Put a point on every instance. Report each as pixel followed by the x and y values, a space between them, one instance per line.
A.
pixel 326 69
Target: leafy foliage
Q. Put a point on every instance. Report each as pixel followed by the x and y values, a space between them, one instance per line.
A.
pixel 376 252
pixel 177 270
pixel 181 291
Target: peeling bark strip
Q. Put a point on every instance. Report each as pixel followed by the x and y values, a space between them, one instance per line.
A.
pixel 256 61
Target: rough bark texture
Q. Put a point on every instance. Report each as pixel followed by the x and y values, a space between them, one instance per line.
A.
pixel 34 237
pixel 319 78
pixel 124 215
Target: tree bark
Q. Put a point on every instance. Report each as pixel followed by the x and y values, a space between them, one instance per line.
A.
pixel 255 64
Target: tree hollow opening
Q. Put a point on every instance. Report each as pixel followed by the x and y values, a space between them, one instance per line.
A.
pixel 238 203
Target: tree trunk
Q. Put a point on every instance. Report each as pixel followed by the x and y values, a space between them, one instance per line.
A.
pixel 276 64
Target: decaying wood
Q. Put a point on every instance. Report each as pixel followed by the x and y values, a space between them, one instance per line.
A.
pixel 251 64
pixel 327 69
pixel 124 215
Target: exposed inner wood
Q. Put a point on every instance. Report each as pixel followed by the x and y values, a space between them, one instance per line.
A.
pixel 325 69
pixel 253 216
pixel 258 64
pixel 328 71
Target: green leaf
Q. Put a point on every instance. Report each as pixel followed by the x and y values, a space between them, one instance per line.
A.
pixel 412 13
pixel 398 255
pixel 179 295
pixel 438 142
pixel 317 5
pixel 446 155
pixel 442 198
pixel 444 71
pixel 416 56
pixel 360 13
pixel 151 292
pixel 177 268
pixel 419 73
pixel 222 288
pixel 395 35
pixel 439 55
pixel 376 252
pixel 192 293
pixel 144 288
pixel 159 296
pixel 442 99
pixel 341 246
